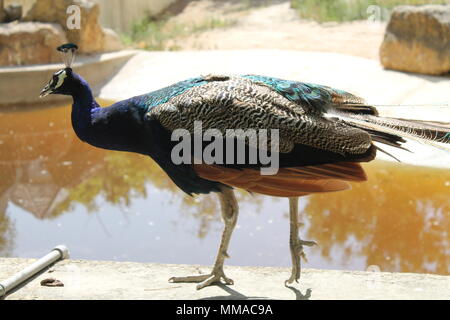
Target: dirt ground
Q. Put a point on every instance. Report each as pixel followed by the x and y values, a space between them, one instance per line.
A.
pixel 275 26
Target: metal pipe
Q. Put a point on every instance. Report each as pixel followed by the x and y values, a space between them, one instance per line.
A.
pixel 58 253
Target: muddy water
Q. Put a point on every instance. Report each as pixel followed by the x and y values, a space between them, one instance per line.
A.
pixel 118 206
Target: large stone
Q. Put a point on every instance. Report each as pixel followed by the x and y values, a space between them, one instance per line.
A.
pixel 30 43
pixel 89 37
pixel 417 39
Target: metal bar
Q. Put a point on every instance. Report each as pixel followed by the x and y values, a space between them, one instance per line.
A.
pixel 58 253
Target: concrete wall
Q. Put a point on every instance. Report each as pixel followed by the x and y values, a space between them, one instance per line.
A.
pixel 20 86
pixel 120 14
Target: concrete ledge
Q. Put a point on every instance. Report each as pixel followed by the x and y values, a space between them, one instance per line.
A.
pixel 21 85
pixel 129 280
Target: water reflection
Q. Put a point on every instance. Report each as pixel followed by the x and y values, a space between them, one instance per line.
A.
pixel 399 221
pixel 45 169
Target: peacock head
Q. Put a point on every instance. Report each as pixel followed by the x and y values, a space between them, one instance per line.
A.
pixel 63 81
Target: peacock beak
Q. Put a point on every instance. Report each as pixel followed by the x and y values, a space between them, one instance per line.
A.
pixel 46 91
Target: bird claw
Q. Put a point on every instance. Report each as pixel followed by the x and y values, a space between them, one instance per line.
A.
pixel 302 243
pixel 215 278
pixel 205 279
pixel 298 254
pixel 307 243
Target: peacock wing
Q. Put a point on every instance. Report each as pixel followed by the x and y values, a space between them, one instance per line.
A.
pixel 223 103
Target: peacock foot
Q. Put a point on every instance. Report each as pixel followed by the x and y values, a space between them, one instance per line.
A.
pixel 298 253
pixel 205 279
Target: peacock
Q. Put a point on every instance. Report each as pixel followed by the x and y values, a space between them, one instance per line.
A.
pixel 324 134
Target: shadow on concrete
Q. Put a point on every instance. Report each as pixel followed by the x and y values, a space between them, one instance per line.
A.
pixel 299 295
pixel 235 295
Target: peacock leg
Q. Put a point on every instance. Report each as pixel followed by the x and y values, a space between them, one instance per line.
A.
pixel 229 209
pixel 296 244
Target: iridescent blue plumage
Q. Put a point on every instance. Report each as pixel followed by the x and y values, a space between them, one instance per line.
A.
pixel 305 93
pixel 317 96
pixel 163 95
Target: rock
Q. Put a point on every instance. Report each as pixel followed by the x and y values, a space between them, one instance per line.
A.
pixel 417 39
pixel 89 37
pixel 30 43
pixel 111 40
pixel 13 12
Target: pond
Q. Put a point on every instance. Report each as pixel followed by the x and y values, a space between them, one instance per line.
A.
pixel 107 205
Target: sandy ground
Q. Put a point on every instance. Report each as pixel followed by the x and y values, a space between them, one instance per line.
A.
pixel 276 26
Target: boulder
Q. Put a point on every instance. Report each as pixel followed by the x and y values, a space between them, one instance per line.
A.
pixel 89 37
pixel 417 39
pixel 30 43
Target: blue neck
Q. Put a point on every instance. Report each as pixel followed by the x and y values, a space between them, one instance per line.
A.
pixel 82 95
pixel 82 108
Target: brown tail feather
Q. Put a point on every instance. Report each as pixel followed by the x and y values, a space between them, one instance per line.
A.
pixel 288 182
